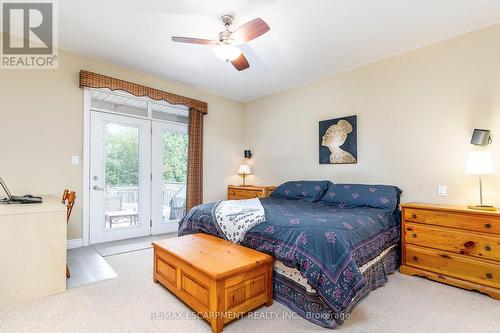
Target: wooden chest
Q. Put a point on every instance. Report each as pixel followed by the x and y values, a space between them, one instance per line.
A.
pixel 248 192
pixel 453 245
pixel 219 280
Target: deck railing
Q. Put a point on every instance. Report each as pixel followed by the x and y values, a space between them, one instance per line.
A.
pixel 129 195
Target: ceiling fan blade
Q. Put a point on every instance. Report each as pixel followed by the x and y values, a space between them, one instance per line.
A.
pixel 250 30
pixel 240 63
pixel 193 40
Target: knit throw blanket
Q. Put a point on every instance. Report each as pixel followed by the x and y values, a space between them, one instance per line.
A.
pixel 235 217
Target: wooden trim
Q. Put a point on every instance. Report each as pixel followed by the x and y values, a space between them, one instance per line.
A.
pixel 94 80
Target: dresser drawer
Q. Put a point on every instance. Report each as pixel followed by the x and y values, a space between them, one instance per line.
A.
pixel 453 265
pixel 244 194
pixel 471 222
pixel 466 243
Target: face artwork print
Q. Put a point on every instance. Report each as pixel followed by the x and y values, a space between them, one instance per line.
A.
pixel 338 141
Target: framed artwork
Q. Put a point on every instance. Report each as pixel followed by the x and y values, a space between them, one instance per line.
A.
pixel 338 142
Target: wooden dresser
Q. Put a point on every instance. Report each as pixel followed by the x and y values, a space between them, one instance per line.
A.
pixel 248 192
pixel 453 245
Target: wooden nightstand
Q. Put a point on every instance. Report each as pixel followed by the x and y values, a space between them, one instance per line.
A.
pixel 453 245
pixel 248 192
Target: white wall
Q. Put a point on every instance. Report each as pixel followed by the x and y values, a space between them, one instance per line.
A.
pixel 41 127
pixel 416 113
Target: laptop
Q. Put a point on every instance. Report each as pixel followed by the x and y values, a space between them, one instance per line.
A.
pixel 25 199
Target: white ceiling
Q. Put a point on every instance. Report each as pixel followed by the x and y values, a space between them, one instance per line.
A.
pixel 309 39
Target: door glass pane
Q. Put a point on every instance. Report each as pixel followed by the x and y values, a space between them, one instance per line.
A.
pixel 122 176
pixel 117 103
pixel 175 154
pixel 178 114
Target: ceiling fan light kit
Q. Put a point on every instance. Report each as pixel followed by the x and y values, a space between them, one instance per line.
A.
pixel 226 47
pixel 227 51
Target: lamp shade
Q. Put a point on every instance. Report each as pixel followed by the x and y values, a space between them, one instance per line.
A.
pixel 481 137
pixel 480 163
pixel 244 170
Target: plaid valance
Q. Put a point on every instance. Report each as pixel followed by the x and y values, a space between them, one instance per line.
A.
pixel 94 80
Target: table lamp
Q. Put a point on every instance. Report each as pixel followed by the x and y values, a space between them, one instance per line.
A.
pixel 244 170
pixel 480 163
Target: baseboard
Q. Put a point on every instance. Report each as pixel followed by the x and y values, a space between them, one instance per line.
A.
pixel 74 243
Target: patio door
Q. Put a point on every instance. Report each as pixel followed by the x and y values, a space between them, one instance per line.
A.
pixel 120 172
pixel 168 175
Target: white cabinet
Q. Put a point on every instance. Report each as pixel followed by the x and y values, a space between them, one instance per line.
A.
pixel 32 250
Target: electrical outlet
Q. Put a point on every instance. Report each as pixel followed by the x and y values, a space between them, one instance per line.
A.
pixel 442 190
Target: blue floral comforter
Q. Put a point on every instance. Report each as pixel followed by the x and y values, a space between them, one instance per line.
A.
pixel 326 243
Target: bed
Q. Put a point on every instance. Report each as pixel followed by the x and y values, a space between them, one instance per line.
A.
pixel 333 243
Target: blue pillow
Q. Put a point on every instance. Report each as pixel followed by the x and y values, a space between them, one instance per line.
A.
pixel 359 195
pixel 306 190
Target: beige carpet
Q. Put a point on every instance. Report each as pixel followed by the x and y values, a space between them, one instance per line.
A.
pixel 125 304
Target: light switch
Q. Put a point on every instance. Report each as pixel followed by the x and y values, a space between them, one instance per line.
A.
pixel 75 160
pixel 442 190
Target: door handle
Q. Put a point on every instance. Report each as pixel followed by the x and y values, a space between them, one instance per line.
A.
pixel 97 188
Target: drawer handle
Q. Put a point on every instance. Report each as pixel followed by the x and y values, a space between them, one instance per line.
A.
pixel 414 235
pixel 414 216
pixel 415 258
pixel 487 226
pixel 489 275
pixel 487 248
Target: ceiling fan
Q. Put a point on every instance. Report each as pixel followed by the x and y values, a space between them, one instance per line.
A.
pixel 226 47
